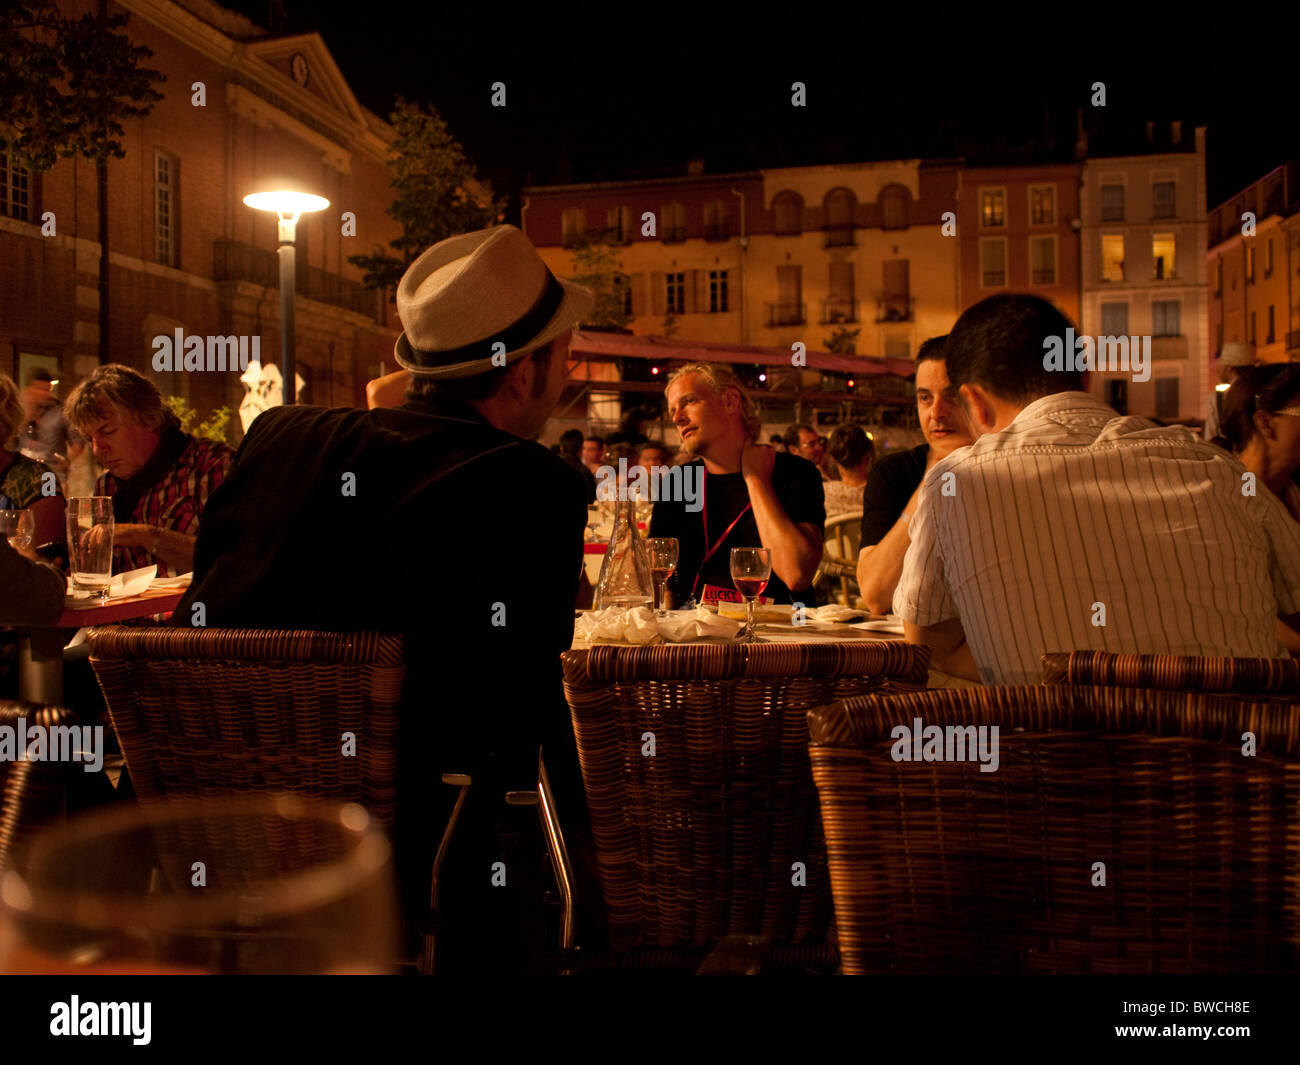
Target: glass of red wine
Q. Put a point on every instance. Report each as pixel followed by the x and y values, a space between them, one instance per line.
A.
pixel 751 569
pixel 663 560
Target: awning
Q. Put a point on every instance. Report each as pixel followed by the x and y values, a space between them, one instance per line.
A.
pixel 659 349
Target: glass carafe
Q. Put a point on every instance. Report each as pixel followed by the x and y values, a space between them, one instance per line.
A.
pixel 625 577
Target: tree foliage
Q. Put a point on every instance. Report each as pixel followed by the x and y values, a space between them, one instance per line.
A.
pixel 843 341
pixel 215 427
pixel 597 268
pixel 68 83
pixel 438 194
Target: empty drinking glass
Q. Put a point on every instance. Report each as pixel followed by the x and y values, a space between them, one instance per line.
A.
pixel 18 527
pixel 90 545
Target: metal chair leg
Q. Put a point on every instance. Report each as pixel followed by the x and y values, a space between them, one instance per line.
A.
pixel 456 780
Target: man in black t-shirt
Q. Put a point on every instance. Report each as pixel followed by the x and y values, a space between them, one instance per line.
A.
pixel 890 496
pixel 750 495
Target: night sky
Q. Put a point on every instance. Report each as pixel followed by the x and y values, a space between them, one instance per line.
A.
pixel 592 99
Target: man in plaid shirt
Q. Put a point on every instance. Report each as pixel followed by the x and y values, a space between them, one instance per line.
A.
pixel 159 476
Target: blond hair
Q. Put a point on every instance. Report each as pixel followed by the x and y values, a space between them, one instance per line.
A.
pixel 12 412
pixel 720 379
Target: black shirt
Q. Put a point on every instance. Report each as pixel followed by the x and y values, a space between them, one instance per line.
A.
pixel 798 486
pixel 890 485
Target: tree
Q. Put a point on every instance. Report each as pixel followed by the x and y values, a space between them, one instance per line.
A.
pixel 843 341
pixel 670 326
pixel 438 194
pixel 597 268
pixel 66 86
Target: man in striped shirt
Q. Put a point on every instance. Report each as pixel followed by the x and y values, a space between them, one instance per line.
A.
pixel 1066 526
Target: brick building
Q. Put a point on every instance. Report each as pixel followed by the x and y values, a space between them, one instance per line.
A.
pixel 184 251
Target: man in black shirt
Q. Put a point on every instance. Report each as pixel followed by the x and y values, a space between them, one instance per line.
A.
pixel 750 495
pixel 890 497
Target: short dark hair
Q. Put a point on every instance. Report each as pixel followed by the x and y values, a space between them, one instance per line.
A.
pixel 931 350
pixel 1269 388
pixel 791 437
pixel 594 440
pixel 571 441
pixel 998 344
pixel 482 385
pixel 849 445
pixel 654 445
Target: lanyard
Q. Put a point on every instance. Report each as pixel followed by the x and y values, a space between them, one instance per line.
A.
pixel 711 551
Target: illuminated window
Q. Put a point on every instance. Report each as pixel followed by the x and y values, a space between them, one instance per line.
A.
pixel 993 207
pixel 1112 258
pixel 1162 256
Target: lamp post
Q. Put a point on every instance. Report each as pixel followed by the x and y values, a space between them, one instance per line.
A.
pixel 288 207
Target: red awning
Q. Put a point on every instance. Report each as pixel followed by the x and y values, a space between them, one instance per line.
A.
pixel 621 345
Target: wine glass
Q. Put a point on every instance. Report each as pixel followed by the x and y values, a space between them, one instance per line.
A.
pixel 18 527
pixel 751 569
pixel 663 560
pixel 272 883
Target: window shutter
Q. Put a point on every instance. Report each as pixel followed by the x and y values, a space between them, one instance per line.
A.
pixel 638 294
pixel 659 297
pixel 697 301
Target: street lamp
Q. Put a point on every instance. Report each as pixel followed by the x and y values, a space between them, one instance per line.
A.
pixel 288 206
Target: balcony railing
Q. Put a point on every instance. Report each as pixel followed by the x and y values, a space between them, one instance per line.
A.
pixel 993 278
pixel 835 311
pixel 894 309
pixel 672 234
pixel 717 231
pixel 785 313
pixel 1044 277
pixel 840 236
pixel 235 261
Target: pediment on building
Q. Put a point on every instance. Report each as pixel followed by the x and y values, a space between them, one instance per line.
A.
pixel 306 67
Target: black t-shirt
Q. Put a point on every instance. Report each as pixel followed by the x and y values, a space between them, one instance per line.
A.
pixel 890 485
pixel 798 486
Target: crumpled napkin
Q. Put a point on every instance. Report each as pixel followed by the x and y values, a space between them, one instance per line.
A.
pixel 640 626
pixel 836 612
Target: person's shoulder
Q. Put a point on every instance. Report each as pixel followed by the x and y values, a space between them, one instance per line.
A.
pixel 900 465
pixel 793 468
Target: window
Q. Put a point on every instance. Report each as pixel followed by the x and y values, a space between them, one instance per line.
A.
pixel 675 293
pixel 1117 395
pixel 1112 258
pixel 1218 277
pixel 789 309
pixel 165 216
pixel 837 211
pixel 1114 319
pixel 573 226
pixel 1164 318
pixel 1042 260
pixel 1250 264
pixel 841 307
pixel 672 222
pixel 787 214
pixel 1042 205
pixel 993 207
pixel 1112 203
pixel 1162 200
pixel 1252 327
pixel 618 223
pixel 623 292
pixel 1162 256
pixel 993 262
pixel 893 207
pixel 718 292
pixel 1166 397
pixel 716 224
pixel 897 303
pixel 1268 258
pixel 1268 339
pixel 15 189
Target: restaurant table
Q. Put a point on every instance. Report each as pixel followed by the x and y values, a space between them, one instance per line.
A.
pixel 782 633
pixel 40 648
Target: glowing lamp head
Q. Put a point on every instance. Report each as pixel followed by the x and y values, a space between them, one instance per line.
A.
pixel 287 205
pixel 762 377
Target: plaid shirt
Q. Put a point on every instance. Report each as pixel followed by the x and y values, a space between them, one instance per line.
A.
pixel 176 501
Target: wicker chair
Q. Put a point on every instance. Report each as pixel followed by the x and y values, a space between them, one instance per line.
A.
pixel 840 556
pixel 1272 679
pixel 700 841
pixel 33 794
pixel 943 868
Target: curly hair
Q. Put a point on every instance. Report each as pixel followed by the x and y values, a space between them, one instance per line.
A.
pixel 12 412
pixel 720 379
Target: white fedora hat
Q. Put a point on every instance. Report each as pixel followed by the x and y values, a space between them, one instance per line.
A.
pixel 477 295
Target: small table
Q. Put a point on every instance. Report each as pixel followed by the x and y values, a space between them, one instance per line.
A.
pixel 40 649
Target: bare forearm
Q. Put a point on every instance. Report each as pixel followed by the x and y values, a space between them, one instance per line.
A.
pixel 949 651
pixel 794 555
pixel 176 550
pixel 880 566
pixel 1287 634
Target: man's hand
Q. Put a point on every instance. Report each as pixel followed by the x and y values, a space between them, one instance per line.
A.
pixel 388 391
pixel 757 461
pixel 131 535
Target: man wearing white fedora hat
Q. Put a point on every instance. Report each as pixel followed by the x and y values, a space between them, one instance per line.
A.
pixel 1232 358
pixel 442 520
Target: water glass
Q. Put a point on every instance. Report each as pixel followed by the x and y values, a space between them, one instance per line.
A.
pixel 18 527
pixel 663 560
pixel 90 545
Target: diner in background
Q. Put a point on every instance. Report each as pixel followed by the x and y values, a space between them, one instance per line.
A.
pixel 23 485
pixel 752 496
pixel 894 481
pixel 570 449
pixel 442 520
pixel 851 450
pixel 802 440
pixel 652 454
pixel 159 476
pixel 1261 426
pixel 1066 526
pixel 593 453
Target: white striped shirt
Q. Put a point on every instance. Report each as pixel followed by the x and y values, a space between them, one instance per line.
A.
pixel 1078 529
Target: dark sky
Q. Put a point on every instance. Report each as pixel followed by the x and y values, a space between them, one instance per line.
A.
pixel 592 98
